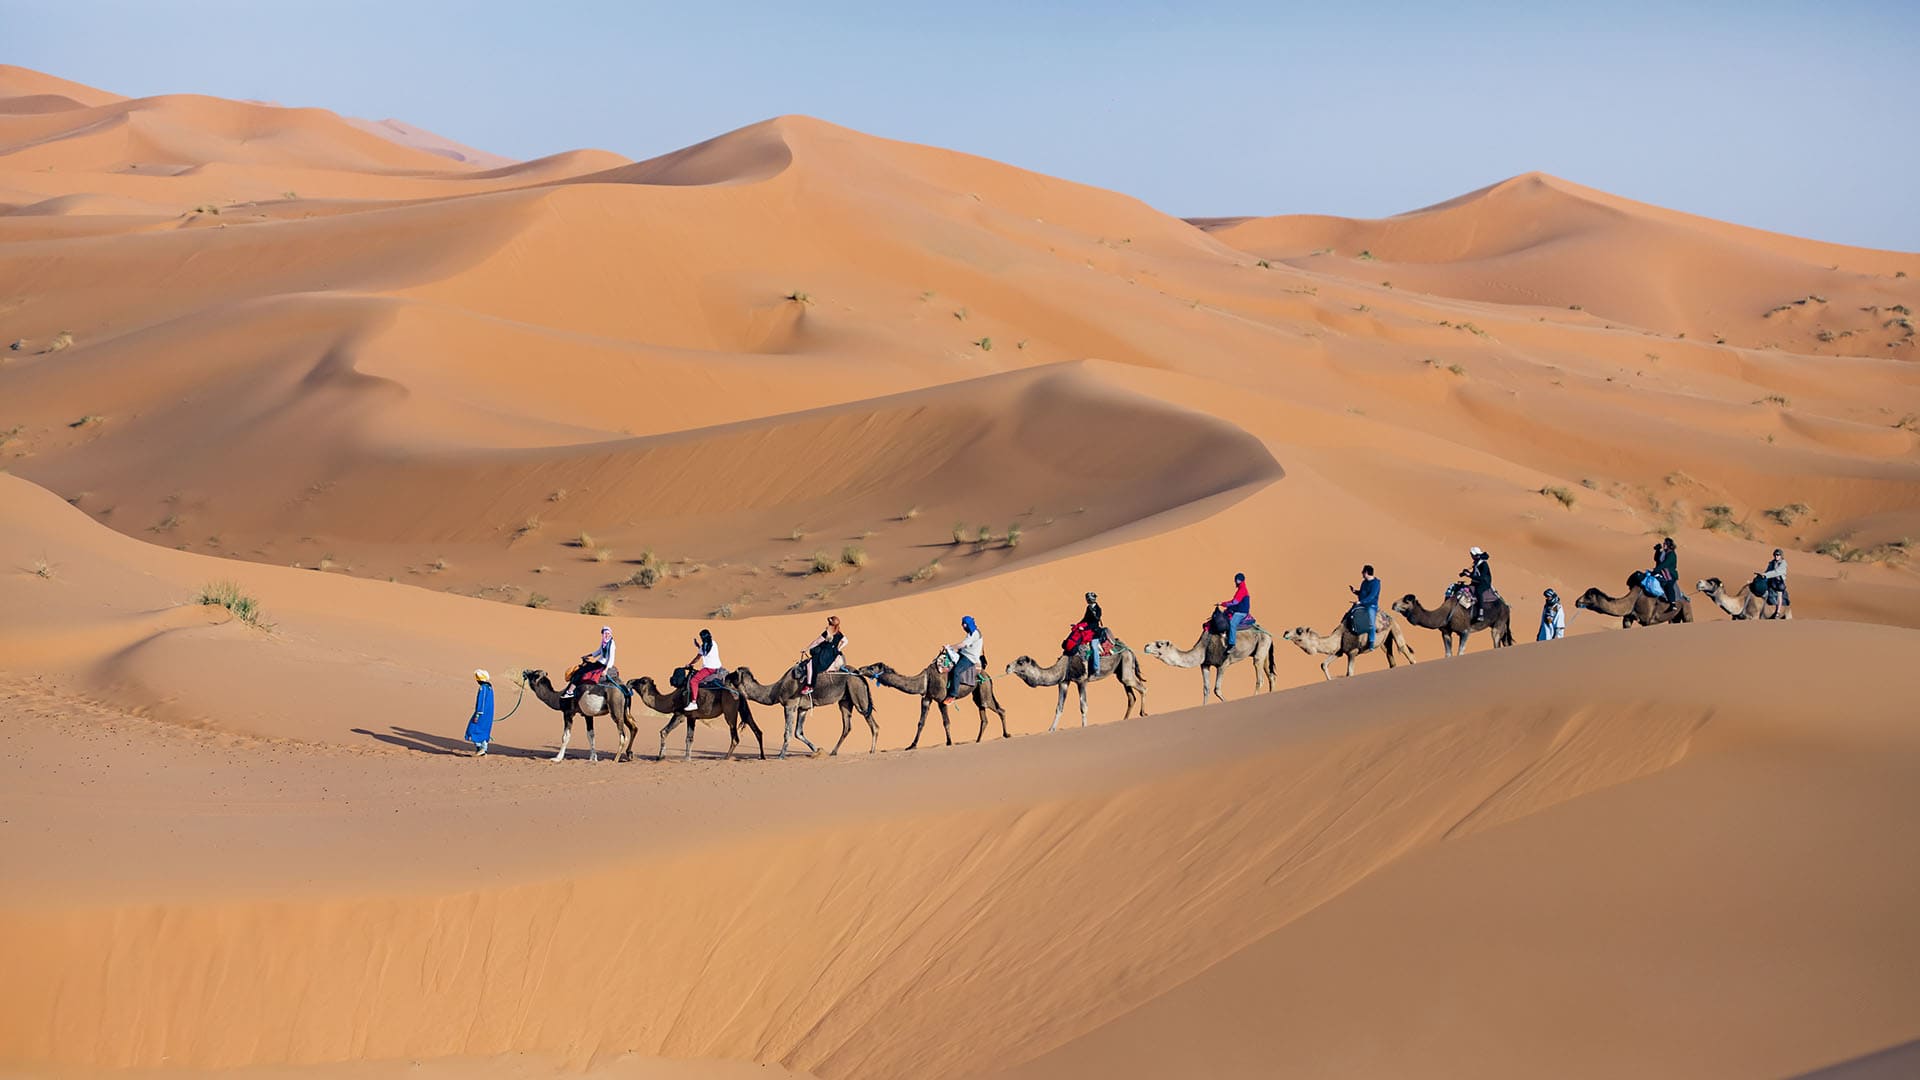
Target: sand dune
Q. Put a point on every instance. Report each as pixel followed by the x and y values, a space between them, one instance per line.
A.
pixel 406 396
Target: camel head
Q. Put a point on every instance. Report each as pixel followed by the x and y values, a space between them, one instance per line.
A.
pixel 873 671
pixel 1019 663
pixel 531 674
pixel 1294 635
pixel 1708 585
pixel 1155 648
pixel 1400 606
pixel 1590 600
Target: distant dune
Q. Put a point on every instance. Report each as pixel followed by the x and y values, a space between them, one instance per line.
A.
pixel 435 410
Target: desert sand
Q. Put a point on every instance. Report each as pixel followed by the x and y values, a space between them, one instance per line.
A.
pixel 425 405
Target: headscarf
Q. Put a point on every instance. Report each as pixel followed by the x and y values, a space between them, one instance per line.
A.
pixel 1552 597
pixel 1093 597
pixel 1239 579
pixel 606 634
pixel 480 675
pixel 967 624
pixel 1476 553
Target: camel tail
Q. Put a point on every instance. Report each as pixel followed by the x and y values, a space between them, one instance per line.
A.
pixel 1270 666
pixel 1506 635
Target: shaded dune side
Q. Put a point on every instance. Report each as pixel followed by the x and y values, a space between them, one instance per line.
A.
pixel 996 446
pixel 972 927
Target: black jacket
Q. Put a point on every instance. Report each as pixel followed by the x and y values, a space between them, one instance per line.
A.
pixel 1092 617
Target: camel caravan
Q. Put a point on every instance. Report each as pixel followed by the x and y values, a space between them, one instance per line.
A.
pixel 704 689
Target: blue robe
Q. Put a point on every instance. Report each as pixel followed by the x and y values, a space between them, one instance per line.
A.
pixel 480 726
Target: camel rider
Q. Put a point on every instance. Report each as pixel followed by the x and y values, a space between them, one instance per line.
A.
pixel 704 665
pixel 1239 608
pixel 824 653
pixel 1087 633
pixel 1553 619
pixel 1775 576
pixel 592 665
pixel 1367 595
pixel 480 724
pixel 1480 576
pixel 1668 563
pixel 967 654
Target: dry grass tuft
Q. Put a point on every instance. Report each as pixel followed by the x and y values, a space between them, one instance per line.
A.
pixel 227 594
pixel 596 605
pixel 822 563
pixel 853 556
pixel 1790 513
pixel 1565 495
pixel 925 573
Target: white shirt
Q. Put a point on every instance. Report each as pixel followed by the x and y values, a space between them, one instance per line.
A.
pixel 710 660
pixel 604 653
pixel 972 648
pixel 1556 623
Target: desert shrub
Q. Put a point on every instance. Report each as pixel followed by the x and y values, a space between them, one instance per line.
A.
pixel 557 495
pixel 853 556
pixel 985 344
pixel 42 568
pixel 536 600
pixel 1774 399
pixel 1013 535
pixel 1790 513
pixel 596 605
pixel 646 577
pixel 583 541
pixel 168 523
pixel 87 421
pixel 925 573
pixel 1563 494
pixel 822 563
pixel 61 340
pixel 1263 264
pixel 1365 256
pixel 799 297
pixel 982 535
pixel 1457 368
pixel 439 564
pixel 227 594
pixel 959 532
pixel 724 611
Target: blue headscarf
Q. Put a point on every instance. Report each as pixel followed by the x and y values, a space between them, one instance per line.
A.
pixel 967 624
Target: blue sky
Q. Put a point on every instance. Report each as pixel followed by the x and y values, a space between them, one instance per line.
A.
pixel 1793 117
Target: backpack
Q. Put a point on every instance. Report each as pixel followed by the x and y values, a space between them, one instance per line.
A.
pixel 1761 584
pixel 1219 622
pixel 1359 620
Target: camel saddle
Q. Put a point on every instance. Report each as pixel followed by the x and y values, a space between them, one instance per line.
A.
pixel 972 678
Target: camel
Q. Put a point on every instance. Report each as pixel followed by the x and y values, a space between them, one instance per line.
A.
pixel 931 687
pixel 592 700
pixel 1451 619
pixel 1636 608
pixel 1073 670
pixel 1741 605
pixel 714 701
pixel 1209 654
pixel 840 688
pixel 1349 644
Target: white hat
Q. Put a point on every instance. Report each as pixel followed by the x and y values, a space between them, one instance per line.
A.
pixel 1475 551
pixel 480 675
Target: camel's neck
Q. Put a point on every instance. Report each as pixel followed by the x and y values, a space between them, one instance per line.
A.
pixel 1051 676
pixel 548 696
pixel 650 696
pixel 918 684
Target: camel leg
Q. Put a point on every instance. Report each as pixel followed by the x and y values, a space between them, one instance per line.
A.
pixel 688 756
pixel 1219 676
pixel 592 754
pixel 846 717
pixel 757 736
pixel 672 722
pixel 1083 702
pixel 983 719
pixel 566 735
pixel 733 735
pixel 1059 707
pixel 846 729
pixel 922 726
pixel 800 732
pixel 946 723
pixel 788 737
pixel 1349 665
pixel 1325 672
